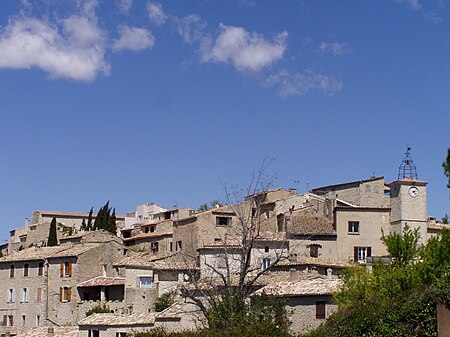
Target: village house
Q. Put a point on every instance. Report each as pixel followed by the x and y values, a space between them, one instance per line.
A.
pixel 42 283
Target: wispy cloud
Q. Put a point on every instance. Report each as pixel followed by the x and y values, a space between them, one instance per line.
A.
pixel 303 83
pixel 132 38
pixel 333 48
pixel 246 51
pixel 413 4
pixel 191 28
pixel 156 13
pixel 75 51
pixel 125 5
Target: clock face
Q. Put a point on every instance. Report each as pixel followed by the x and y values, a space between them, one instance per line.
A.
pixel 413 191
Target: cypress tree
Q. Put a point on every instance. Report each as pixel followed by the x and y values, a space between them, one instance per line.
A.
pixel 52 237
pixel 83 226
pixel 89 222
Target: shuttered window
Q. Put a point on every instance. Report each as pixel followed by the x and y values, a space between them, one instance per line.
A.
pixel 65 294
pixel 39 295
pixel 65 269
pixel 320 310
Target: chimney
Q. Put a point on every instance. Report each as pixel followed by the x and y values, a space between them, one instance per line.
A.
pixel 50 332
pixel 26 222
pixel 329 273
pixel 292 274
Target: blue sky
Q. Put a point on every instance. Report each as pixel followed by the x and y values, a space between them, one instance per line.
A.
pixel 144 101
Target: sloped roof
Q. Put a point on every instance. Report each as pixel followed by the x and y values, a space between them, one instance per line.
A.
pixel 317 261
pixel 165 261
pixel 309 224
pixel 42 331
pixel 316 286
pixel 111 319
pixel 150 235
pixel 41 253
pixel 103 281
pixel 347 183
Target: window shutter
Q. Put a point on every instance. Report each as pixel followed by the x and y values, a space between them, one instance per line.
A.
pixel 60 294
pixel 369 251
pixel 69 294
pixel 5 320
pixel 39 295
pixel 320 310
pixel 355 254
pixel 61 269
pixel 11 320
pixel 69 269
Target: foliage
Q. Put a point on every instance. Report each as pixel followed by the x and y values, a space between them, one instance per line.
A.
pixel 98 309
pixel 444 219
pixel 446 166
pixel 232 317
pixel 164 301
pixel 398 299
pixel 402 247
pixel 212 204
pixel 52 236
pixel 105 219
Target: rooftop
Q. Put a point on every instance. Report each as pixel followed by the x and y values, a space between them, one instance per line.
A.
pixel 165 261
pixel 103 281
pixel 310 224
pixel 41 253
pixel 316 286
pixel 111 319
pixel 150 235
pixel 42 331
pixel 356 182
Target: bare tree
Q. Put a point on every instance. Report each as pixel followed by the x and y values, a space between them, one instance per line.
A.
pixel 225 288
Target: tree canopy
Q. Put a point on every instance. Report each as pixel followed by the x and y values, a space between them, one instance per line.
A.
pixel 105 219
pixel 396 299
pixel 52 236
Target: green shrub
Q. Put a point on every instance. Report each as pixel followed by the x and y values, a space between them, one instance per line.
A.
pixel 98 309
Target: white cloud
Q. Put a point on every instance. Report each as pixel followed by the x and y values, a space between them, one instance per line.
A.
pixel 246 51
pixel 191 28
pixel 133 38
pixel 125 5
pixel 76 51
pixel 303 83
pixel 156 13
pixel 334 48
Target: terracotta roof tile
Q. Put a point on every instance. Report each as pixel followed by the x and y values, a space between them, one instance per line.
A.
pixel 103 281
pixel 63 331
pixel 309 224
pixel 111 319
pixel 150 235
pixel 317 286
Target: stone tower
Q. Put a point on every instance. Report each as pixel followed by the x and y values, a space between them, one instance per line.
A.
pixel 409 199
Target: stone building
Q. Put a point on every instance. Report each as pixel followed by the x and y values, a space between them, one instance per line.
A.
pixel 41 285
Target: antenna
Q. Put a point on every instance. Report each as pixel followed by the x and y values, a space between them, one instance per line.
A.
pixel 407 168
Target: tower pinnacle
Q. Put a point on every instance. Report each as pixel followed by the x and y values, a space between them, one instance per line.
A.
pixel 407 168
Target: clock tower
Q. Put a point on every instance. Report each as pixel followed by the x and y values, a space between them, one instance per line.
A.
pixel 409 199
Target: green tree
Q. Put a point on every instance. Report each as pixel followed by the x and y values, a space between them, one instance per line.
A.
pixel 397 299
pixel 52 236
pixel 402 247
pixel 89 225
pixel 83 226
pixel 98 309
pixel 164 301
pixel 446 166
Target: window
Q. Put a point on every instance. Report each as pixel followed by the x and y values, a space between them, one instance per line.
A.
pixel 266 249
pixel 367 188
pixel 314 250
pixel 24 295
pixel 65 294
pixel 26 269
pixel 171 246
pixel 121 334
pixel 320 310
pixel 154 247
pixel 41 269
pixel 223 220
pixel 145 281
pixel 10 320
pixel 23 320
pixel 280 222
pixel 266 263
pixel 353 227
pixel 178 245
pixel 66 269
pixel 11 271
pixel 38 320
pixel 11 296
pixel 152 229
pixel 375 189
pixel 361 254
pixel 94 333
pixel 221 262
pixel 39 295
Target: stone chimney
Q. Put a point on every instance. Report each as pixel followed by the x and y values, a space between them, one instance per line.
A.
pixel 293 274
